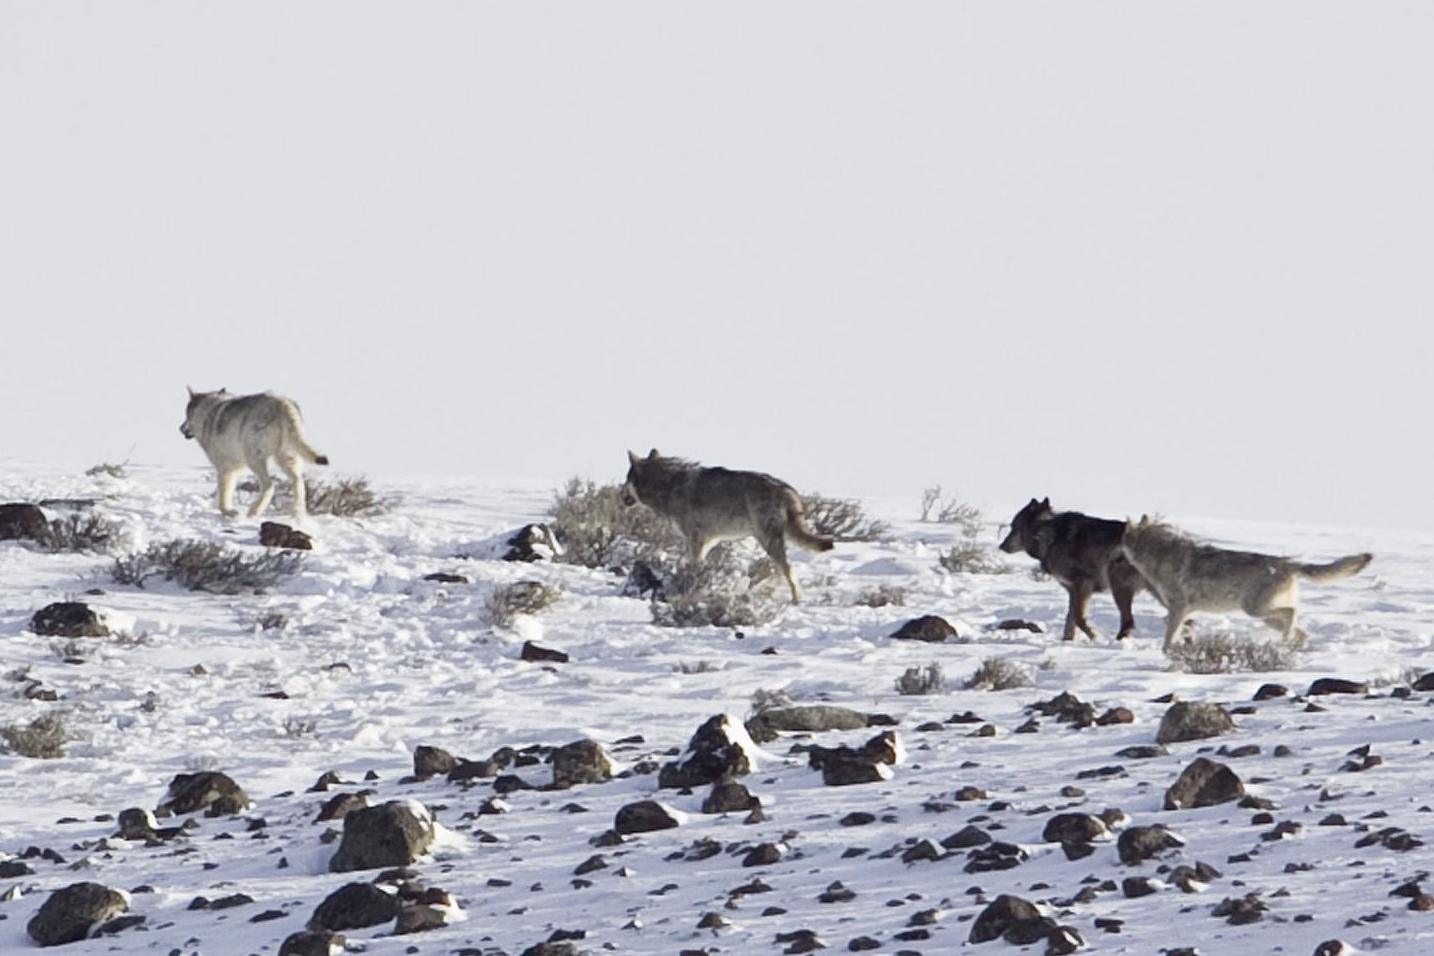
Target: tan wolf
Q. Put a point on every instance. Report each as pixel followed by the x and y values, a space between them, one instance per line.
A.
pixel 246 431
pixel 1189 577
pixel 709 505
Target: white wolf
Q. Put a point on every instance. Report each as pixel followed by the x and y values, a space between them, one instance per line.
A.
pixel 246 431
pixel 1189 577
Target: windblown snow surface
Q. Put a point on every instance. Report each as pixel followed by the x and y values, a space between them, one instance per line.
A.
pixel 374 661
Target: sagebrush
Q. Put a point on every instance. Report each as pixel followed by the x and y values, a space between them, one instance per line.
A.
pixel 43 738
pixel 843 519
pixel 505 602
pixel 84 534
pixel 725 590
pixel 1226 653
pixel 921 680
pixel 883 595
pixel 206 566
pixel 997 673
pixel 597 530
pixel 340 497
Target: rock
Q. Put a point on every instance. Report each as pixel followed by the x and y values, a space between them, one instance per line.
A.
pixel 532 542
pixel 395 833
pixel 806 718
pixel 1134 887
pixel 137 823
pixel 720 750
pixel 1074 828
pixel 1240 910
pixel 922 851
pixel 1138 844
pixel 1424 683
pixel 729 797
pixel 215 793
pixel 23 522
pixel 1204 783
pixel 966 837
pixel 560 948
pixel 582 761
pixel 445 577
pixel 1141 752
pixel 1333 947
pixel 341 805
pixel 1063 940
pixel 312 943
pixel 646 816
pixel 354 906
pixel 68 619
pixel 1066 708
pixel 764 854
pixel 1116 715
pixel 1336 685
pixel 930 628
pixel 420 918
pixel 999 916
pixel 851 771
pixel 1191 720
pixel 836 892
pixel 994 856
pixel 1016 624
pixel 1271 691
pixel 272 534
pixel 69 914
pixel 430 761
pixel 536 653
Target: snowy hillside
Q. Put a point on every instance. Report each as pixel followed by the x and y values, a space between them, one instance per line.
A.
pixel 354 661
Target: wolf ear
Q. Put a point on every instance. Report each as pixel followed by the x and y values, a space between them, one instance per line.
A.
pixel 223 391
pixel 1046 503
pixel 1144 520
pixel 189 390
pixel 632 459
pixel 652 455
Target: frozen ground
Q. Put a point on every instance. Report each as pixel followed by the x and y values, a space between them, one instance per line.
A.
pixel 374 661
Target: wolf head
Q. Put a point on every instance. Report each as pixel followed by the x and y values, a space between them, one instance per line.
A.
pixel 192 410
pixel 638 470
pixel 1025 523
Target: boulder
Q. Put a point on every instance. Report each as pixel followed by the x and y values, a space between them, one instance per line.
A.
pixel 312 943
pixel 721 749
pixel 582 761
pixel 645 816
pixel 273 534
pixel 395 833
pixel 215 793
pixel 23 522
pixel 69 913
pixel 68 619
pixel 354 906
pixel 1000 915
pixel 1204 783
pixel 1193 720
pixel 930 628
pixel 805 718
pixel 1138 844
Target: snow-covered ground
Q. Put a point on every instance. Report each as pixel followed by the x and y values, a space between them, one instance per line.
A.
pixel 373 661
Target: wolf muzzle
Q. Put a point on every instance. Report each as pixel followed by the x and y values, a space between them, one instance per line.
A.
pixel 184 430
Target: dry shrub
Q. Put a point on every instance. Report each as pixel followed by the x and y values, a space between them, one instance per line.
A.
pixel 43 738
pixel 506 602
pixel 843 519
pixel 108 469
pixel 969 556
pixel 696 667
pixel 84 533
pixel 997 673
pixel 340 497
pixel 206 566
pixel 883 595
pixel 597 530
pixel 723 591
pixel 1225 653
pixel 915 681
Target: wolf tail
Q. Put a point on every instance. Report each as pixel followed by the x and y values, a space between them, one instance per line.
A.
pixel 1335 570
pixel 797 530
pixel 296 432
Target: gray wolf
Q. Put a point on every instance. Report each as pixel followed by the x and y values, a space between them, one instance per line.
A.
pixel 1083 554
pixel 709 505
pixel 246 431
pixel 1190 577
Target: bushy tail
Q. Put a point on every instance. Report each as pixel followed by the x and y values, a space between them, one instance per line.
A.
pixel 798 532
pixel 296 432
pixel 1335 570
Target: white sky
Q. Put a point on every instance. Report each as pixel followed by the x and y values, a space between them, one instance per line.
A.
pixel 1136 256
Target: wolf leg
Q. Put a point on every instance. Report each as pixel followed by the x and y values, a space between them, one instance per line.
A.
pixel 260 468
pixel 1124 585
pixel 1174 621
pixel 1283 620
pixel 228 478
pixel 1080 604
pixel 775 544
pixel 294 470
